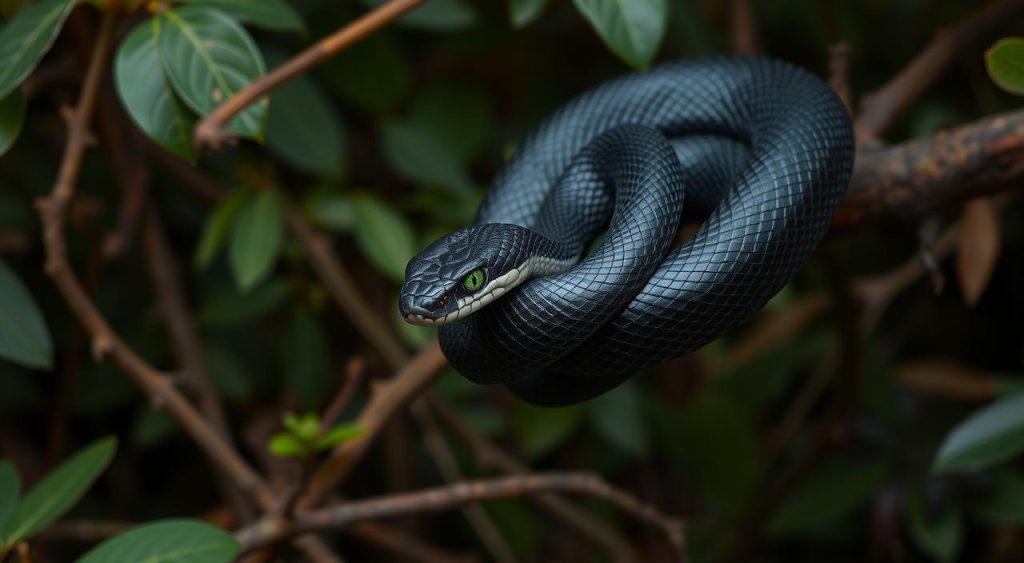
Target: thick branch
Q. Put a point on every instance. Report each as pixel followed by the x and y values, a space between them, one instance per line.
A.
pixel 444 498
pixel 209 132
pixel 923 175
pixel 882 107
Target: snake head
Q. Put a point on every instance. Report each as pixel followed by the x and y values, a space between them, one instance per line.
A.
pixel 461 272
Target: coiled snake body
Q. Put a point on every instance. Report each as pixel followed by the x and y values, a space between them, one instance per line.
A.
pixel 761 147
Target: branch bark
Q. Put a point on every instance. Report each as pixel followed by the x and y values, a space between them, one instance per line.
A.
pixel 209 132
pixel 444 498
pixel 921 176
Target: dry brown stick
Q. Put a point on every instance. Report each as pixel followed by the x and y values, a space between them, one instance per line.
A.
pixel 209 132
pixel 105 341
pixel 879 109
pixel 444 498
pixel 385 401
pixel 490 456
pixel 743 27
pixel 839 55
pixel 923 175
pixel 448 466
pixel 407 546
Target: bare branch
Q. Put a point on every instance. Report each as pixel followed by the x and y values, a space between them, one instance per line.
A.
pixel 444 498
pixel 879 109
pixel 209 132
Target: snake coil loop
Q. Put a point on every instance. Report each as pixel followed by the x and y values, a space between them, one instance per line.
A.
pixel 763 149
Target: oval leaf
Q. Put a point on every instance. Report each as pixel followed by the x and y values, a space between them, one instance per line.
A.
pixel 992 434
pixel 618 416
pixel 418 155
pixel 215 228
pixel 275 15
pixel 58 491
pixel 209 56
pixel 148 96
pixel 304 130
pixel 384 236
pixel 24 338
pixel 27 38
pixel 524 12
pixel 632 29
pixel 940 536
pixel 167 541
pixel 12 117
pixel 978 250
pixel 1005 64
pixel 256 239
pixel 436 15
pixel 10 489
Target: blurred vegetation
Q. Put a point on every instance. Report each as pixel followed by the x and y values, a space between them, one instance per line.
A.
pixel 391 144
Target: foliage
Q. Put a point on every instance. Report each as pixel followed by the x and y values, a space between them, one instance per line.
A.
pixel 392 143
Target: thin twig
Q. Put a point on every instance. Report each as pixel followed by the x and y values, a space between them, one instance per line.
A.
pixel 448 466
pixel 444 498
pixel 209 132
pixel 743 27
pixel 880 109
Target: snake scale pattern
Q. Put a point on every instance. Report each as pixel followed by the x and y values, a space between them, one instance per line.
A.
pixel 759 148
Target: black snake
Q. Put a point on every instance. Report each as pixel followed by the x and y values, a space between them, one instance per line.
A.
pixel 762 148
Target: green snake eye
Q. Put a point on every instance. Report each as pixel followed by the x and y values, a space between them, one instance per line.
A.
pixel 474 281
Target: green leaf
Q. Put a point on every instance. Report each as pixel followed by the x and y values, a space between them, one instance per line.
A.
pixel 420 156
pixel 992 434
pixel 305 358
pixel 458 115
pixel 522 13
pixel 12 117
pixel 256 238
pixel 1005 64
pixel 58 491
pixel 147 95
pixel 384 236
pixel 632 29
pixel 216 228
pixel 152 428
pixel 208 57
pixel 24 338
pixel 1004 505
pixel 834 492
pixel 339 434
pixel 540 430
pixel 227 374
pixel 726 468
pixel 286 445
pixel 28 37
pixel 167 541
pixel 436 15
pixel 304 129
pixel 275 15
pixel 619 418
pixel 10 489
pixel 233 307
pixel 941 537
pixel 373 75
pixel 331 210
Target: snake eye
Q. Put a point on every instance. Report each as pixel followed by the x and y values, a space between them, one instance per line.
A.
pixel 474 281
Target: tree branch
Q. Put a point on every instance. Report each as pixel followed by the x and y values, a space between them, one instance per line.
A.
pixel 880 108
pixel 444 498
pixel 921 176
pixel 209 132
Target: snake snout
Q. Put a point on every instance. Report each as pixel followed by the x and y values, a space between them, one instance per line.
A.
pixel 422 309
